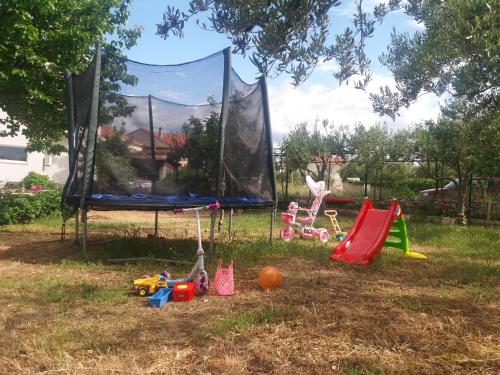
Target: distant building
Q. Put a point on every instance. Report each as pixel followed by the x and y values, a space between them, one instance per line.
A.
pixel 16 162
pixel 165 147
pixel 334 164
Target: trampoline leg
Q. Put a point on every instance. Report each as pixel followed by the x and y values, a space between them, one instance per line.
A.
pixel 271 227
pixel 84 223
pixel 213 217
pixel 77 226
pixel 156 224
pixel 231 224
pixel 63 231
pixel 221 221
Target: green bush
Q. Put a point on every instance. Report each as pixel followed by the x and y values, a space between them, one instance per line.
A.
pixel 23 208
pixel 34 178
pixel 416 184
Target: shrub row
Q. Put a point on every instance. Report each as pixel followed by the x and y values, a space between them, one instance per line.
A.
pixel 23 208
pixel 416 184
pixel 413 184
pixel 36 179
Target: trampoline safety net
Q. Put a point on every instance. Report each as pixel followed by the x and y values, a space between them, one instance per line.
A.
pixel 168 135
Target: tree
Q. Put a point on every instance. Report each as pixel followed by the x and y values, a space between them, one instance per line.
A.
pixel 284 35
pixel 466 145
pixel 202 151
pixel 114 170
pixel 371 146
pixel 41 40
pixel 461 58
pixel 309 152
pixel 370 151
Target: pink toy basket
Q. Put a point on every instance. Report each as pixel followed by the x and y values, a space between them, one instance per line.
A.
pixel 224 280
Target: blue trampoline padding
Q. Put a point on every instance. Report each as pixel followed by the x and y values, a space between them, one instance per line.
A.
pixel 174 200
pixel 245 199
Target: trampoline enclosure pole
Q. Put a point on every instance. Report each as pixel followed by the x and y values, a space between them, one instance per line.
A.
pixel 222 121
pixel 90 144
pixel 84 222
pixel 156 223
pixel 213 217
pixel 267 123
pixel 271 227
pixel 231 224
pixel 71 117
pixel 77 226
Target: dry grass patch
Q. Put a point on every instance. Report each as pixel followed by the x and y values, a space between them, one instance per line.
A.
pixel 62 311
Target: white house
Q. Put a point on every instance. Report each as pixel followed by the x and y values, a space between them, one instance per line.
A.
pixel 16 162
pixel 332 171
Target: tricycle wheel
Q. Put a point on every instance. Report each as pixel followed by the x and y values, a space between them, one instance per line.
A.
pixel 287 234
pixel 142 292
pixel 202 283
pixel 324 236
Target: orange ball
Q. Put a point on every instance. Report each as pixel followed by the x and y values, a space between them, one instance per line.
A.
pixel 269 278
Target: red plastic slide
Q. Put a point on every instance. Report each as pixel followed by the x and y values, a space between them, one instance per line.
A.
pixel 368 234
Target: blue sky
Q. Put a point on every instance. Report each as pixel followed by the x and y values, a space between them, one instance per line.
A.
pixel 320 97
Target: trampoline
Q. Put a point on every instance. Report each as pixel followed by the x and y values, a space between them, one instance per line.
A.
pixel 148 201
pixel 157 137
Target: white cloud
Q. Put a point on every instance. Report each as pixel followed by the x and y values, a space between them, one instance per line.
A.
pixel 348 8
pixel 172 95
pixel 328 67
pixel 416 25
pixel 342 105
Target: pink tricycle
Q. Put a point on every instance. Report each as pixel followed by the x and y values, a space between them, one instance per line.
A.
pixel 304 224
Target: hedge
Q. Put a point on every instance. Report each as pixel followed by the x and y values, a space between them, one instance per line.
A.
pixel 416 184
pixel 23 208
pixel 412 184
pixel 36 179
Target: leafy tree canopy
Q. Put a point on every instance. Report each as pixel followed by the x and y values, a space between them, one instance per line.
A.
pixel 283 35
pixel 41 40
pixel 371 146
pixel 466 145
pixel 309 151
pixel 201 151
pixel 457 53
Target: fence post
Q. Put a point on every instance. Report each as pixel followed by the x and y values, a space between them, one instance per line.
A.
pixel 286 184
pixel 469 200
pixel 366 180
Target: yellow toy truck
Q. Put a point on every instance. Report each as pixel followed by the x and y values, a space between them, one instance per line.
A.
pixel 150 284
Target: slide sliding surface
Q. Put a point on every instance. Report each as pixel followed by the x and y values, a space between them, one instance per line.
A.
pixel 367 236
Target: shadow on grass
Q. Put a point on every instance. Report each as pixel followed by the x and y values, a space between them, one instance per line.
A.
pixel 244 252
pixel 40 290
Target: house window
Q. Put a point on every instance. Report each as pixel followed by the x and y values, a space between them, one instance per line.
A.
pixel 13 153
pixel 47 160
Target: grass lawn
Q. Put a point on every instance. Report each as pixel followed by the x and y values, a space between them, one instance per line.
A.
pixel 62 311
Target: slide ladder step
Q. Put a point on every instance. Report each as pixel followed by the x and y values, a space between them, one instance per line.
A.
pixel 392 242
